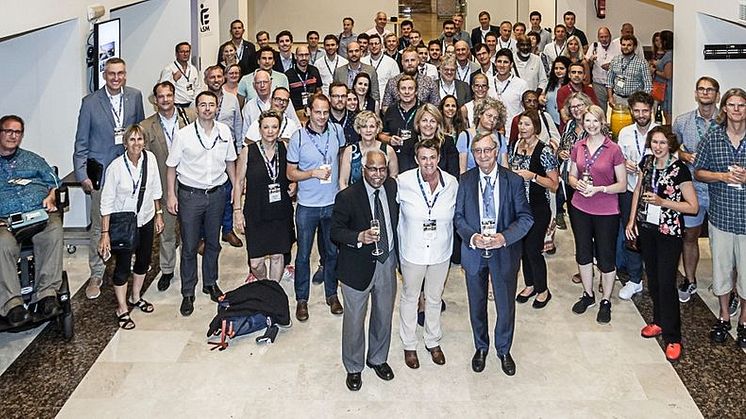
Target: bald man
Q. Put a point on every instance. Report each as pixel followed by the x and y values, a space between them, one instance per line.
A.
pixel 303 79
pixel 380 26
pixel 599 57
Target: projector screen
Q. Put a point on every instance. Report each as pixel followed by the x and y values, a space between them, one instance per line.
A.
pixel 107 44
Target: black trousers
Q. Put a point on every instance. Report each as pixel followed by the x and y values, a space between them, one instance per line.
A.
pixel 532 260
pixel 661 254
pixel 595 234
pixel 143 255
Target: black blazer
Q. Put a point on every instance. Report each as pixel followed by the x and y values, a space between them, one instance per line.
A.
pixel 248 61
pixel 463 92
pixel 351 215
pixel 476 34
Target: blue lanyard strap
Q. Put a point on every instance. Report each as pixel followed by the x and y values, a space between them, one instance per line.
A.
pixel 135 182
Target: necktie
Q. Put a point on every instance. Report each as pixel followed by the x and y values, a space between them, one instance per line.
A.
pixel 383 242
pixel 488 200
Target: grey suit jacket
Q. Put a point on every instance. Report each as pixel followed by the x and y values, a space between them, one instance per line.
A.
pixel 155 140
pixel 94 138
pixel 341 73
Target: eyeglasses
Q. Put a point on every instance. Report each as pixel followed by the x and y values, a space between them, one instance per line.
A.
pixel 485 150
pixel 371 169
pixel 480 86
pixel 280 100
pixel 12 132
pixel 733 106
pixel 576 107
pixel 706 90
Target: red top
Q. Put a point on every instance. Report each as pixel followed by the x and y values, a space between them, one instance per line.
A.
pixel 565 91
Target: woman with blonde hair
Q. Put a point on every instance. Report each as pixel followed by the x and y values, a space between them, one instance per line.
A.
pixel 368 125
pixel 428 124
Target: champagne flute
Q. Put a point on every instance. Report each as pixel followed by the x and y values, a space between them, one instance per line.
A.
pixel 488 230
pixel 734 167
pixel 375 227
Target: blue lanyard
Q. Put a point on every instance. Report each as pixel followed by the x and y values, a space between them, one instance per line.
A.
pixel 658 174
pixel 407 120
pixel 135 183
pixel 169 137
pixel 429 204
pixel 326 147
pixel 591 160
pixel 637 144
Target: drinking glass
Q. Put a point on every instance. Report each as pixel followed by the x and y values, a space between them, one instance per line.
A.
pixel 375 227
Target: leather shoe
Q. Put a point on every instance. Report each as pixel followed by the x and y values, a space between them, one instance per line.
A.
pixel 187 306
pixel 232 239
pixel 410 358
pixel 437 355
pixel 214 291
pixel 383 371
pixel 541 304
pixel 165 281
pixel 201 248
pixel 18 316
pixel 301 311
pixel 520 298
pixel 354 381
pixel 507 363
pixel 478 360
pixel 335 305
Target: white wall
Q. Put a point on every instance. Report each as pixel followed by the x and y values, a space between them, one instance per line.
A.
pixel 325 16
pixel 499 11
pixel 648 17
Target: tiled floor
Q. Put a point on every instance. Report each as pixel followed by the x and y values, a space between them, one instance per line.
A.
pixel 568 365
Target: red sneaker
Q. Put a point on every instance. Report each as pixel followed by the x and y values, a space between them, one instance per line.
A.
pixel 673 352
pixel 651 330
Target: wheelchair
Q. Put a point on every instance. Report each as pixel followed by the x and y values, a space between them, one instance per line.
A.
pixel 27 274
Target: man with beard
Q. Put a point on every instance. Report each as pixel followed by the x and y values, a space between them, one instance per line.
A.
pixel 528 66
pixel 329 62
pixel 346 73
pixel 426 89
pixel 576 73
pixel 448 36
pixel 303 79
pixel 627 73
pixel 339 113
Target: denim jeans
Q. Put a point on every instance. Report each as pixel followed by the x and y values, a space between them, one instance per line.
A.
pixel 307 221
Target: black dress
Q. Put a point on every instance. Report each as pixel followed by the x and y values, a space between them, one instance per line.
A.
pixel 269 226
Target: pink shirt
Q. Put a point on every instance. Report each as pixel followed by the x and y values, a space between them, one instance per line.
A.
pixel 602 170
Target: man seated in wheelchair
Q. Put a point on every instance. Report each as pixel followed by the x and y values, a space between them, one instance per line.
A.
pixel 27 195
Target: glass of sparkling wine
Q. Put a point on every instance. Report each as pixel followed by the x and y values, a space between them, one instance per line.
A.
pixel 375 227
pixel 733 167
pixel 489 229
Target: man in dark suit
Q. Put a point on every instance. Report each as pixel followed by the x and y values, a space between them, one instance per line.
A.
pixel 478 33
pixel 104 115
pixel 245 50
pixel 159 134
pixel 363 274
pixel 491 196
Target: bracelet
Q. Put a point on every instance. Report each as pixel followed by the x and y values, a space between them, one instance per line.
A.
pixel 604 189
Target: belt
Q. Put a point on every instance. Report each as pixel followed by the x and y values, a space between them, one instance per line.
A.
pixel 198 190
pixel 183 105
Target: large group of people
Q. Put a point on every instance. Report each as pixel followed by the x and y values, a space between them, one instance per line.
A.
pixel 391 153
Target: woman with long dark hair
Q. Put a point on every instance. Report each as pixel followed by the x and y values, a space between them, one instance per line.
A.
pixel 361 87
pixel 453 122
pixel 557 78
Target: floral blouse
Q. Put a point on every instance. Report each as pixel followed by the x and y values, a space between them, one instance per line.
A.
pixel 540 161
pixel 667 184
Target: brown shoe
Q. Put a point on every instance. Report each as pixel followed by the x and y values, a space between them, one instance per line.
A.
pixel 301 311
pixel 232 239
pixel 335 305
pixel 93 289
pixel 437 355
pixel 201 248
pixel 576 279
pixel 410 358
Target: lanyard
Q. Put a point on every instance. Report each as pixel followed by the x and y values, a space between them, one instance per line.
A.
pixel 699 130
pixel 637 144
pixel 407 120
pixel 118 115
pixel 624 67
pixel 429 204
pixel 380 60
pixel 284 125
pixel 445 92
pixel 499 42
pixel 591 160
pixel 135 182
pixel 169 137
pixel 239 51
pixel 189 71
pixel 326 62
pixel 303 80
pixel 463 75
pixel 199 137
pixel 557 54
pixel 504 88
pixel 326 147
pixel 655 180
pixel 220 105
pixel 272 170
pixel 183 115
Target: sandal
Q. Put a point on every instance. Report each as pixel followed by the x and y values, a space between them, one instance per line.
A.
pixel 143 305
pixel 125 322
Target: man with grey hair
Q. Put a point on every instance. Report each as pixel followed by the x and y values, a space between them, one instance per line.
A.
pixel 380 26
pixel 599 57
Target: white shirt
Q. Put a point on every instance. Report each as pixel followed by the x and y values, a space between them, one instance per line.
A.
pixel 552 51
pixel 603 57
pixel 371 191
pixel 430 71
pixel 188 85
pixel 117 108
pixel 531 71
pixel 464 73
pixel 326 67
pixel 169 126
pixel 633 148
pixel 117 194
pixel 509 44
pixel 509 92
pixel 200 164
pixel 385 66
pixel 288 127
pixel 253 108
pixel 374 31
pixel 414 245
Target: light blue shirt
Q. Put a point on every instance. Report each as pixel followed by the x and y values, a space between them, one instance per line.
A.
pixel 309 150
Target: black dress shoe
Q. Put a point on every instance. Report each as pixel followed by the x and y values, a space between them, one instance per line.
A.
pixel 541 304
pixel 18 316
pixel 507 363
pixel 524 298
pixel 354 381
pixel 48 306
pixel 478 360
pixel 187 306
pixel 383 371
pixel 165 281
pixel 214 292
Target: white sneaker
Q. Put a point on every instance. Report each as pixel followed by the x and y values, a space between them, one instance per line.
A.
pixel 629 289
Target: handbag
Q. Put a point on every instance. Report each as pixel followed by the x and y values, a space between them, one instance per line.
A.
pixel 659 91
pixel 123 233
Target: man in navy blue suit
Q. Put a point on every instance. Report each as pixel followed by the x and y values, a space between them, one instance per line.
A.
pixel 492 216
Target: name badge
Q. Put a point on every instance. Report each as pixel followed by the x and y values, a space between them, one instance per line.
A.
pixel 620 82
pixel 118 135
pixel 654 214
pixel 190 88
pixel 429 228
pixel 274 192
pixel 304 98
